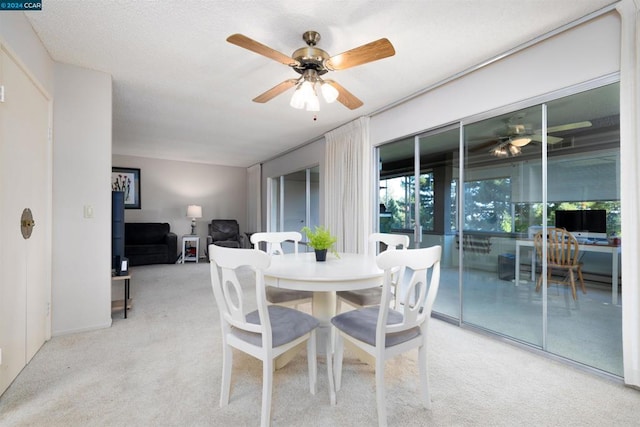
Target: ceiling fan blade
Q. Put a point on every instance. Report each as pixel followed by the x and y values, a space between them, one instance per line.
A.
pixel 259 48
pixel 369 52
pixel 345 97
pixel 569 126
pixel 275 91
pixel 550 139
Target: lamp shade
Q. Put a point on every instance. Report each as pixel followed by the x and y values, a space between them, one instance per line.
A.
pixel 329 92
pixel 520 141
pixel 194 211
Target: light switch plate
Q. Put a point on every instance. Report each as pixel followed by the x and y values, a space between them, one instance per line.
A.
pixel 88 211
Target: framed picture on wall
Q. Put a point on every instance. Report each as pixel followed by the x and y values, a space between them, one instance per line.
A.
pixel 127 180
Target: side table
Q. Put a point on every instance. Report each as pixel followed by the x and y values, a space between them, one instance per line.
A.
pixel 127 301
pixel 190 248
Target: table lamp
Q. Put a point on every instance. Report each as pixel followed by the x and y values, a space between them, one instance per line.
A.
pixel 193 212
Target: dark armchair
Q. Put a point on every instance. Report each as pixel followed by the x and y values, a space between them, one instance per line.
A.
pixel 225 232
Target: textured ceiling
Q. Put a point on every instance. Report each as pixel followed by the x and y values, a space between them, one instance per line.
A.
pixel 181 92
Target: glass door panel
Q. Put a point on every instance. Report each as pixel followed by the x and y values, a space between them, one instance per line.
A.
pixel 439 175
pixel 294 202
pixel 397 188
pixel 502 186
pixel 583 174
pixel 275 205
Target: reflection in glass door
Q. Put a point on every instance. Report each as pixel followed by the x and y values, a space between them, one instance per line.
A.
pixel 502 180
pixel 397 188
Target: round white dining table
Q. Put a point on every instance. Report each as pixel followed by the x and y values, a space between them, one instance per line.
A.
pixel 301 271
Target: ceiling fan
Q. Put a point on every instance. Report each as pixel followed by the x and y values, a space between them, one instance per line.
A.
pixel 518 135
pixel 311 63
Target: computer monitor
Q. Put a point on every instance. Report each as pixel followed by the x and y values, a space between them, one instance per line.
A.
pixel 583 223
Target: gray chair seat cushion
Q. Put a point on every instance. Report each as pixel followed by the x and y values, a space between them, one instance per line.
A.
pixel 287 324
pixel 362 297
pixel 280 295
pixel 361 324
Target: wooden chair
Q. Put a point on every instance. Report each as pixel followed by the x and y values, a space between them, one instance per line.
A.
pixel 265 333
pixel 367 297
pixel 563 253
pixel 385 333
pixel 273 241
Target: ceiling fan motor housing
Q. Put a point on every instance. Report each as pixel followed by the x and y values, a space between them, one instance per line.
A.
pixel 310 57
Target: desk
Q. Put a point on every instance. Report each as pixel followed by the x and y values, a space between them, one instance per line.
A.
pixel 613 250
pixel 127 301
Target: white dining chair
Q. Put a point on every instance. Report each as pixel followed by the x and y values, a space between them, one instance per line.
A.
pixel 386 333
pixel 366 297
pixel 273 244
pixel 265 333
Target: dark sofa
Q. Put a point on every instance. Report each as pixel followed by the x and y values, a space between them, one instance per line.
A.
pixel 150 243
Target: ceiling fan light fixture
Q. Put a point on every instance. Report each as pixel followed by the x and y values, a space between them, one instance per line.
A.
pixel 500 152
pixel 520 141
pixel 514 150
pixel 297 100
pixel 305 96
pixel 307 88
pixel 313 103
pixel 329 93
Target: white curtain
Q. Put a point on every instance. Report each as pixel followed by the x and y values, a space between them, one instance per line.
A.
pixel 630 187
pixel 254 208
pixel 348 180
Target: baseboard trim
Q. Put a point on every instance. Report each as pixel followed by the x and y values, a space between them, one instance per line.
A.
pixel 104 325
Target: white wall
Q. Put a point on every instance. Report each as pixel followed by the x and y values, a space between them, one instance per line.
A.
pixel 81 295
pixel 168 187
pixel 17 33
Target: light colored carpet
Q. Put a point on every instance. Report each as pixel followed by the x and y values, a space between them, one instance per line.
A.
pixel 162 367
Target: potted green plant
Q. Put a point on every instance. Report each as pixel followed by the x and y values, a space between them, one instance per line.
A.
pixel 321 240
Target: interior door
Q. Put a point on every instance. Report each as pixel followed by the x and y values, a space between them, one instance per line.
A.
pixel 25 159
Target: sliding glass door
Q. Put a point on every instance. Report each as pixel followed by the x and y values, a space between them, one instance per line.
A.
pixel 589 328
pixel 294 201
pixel 483 191
pixel 418 181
